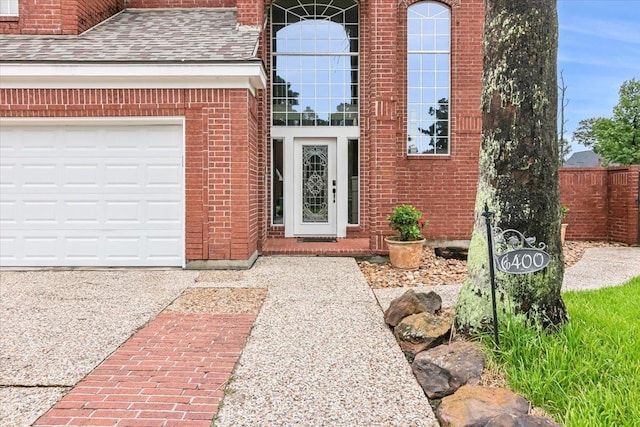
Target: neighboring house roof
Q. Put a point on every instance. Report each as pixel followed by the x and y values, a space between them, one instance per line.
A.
pixel 583 159
pixel 144 35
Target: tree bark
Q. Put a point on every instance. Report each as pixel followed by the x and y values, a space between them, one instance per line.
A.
pixel 518 163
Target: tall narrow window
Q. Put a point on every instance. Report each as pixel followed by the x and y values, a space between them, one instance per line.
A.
pixel 428 78
pixel 8 7
pixel 277 182
pixel 353 185
pixel 314 50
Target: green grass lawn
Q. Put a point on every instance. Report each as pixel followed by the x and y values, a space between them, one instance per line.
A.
pixel 588 373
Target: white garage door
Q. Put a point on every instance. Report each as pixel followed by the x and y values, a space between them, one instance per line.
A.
pixel 99 195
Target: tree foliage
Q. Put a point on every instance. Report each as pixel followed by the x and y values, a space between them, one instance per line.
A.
pixel 616 139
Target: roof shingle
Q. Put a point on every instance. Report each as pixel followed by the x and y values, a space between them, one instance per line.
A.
pixel 144 35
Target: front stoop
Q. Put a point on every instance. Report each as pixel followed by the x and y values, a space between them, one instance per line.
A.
pixel 292 246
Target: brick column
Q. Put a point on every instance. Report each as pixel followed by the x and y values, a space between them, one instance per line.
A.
pixel 250 12
pixel 379 89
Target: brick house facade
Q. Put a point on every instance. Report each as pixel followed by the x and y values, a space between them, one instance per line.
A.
pixel 204 68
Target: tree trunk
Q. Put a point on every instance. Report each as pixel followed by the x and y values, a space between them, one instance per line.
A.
pixel 518 163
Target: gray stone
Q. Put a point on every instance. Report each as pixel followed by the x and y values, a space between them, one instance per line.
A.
pixel 473 406
pixel 451 252
pixel 431 301
pixel 506 420
pixel 421 331
pixel 411 303
pixel 440 371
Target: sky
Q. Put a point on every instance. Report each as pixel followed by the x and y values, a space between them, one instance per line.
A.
pixel 599 49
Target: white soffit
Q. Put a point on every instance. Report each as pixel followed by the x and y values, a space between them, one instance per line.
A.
pixel 249 76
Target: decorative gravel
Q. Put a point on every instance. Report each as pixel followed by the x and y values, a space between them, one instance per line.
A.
pixel 436 271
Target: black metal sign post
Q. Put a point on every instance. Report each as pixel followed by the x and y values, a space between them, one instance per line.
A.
pixel 492 273
pixel 520 257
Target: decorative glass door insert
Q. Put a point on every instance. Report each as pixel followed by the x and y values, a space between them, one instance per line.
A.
pixel 315 184
pixel 315 196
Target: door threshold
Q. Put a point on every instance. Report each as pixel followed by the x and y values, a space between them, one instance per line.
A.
pixel 317 239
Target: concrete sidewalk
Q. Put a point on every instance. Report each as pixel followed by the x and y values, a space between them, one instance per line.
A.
pixel 601 267
pixel 320 354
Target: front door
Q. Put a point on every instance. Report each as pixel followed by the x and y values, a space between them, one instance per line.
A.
pixel 315 187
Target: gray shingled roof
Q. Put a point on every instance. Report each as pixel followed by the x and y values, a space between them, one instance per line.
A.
pixel 583 159
pixel 144 35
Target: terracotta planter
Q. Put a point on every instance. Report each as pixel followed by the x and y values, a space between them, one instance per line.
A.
pixel 404 255
pixel 563 232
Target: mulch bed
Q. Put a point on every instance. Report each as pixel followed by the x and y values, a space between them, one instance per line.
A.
pixel 435 270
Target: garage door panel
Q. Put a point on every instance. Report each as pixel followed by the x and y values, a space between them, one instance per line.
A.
pixel 85 175
pixel 112 211
pixel 8 176
pixel 164 175
pixel 8 213
pixel 38 212
pixel 50 248
pixel 162 248
pixel 92 196
pixel 43 248
pixel 82 248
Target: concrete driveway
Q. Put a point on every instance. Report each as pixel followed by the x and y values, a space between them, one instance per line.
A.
pixel 56 326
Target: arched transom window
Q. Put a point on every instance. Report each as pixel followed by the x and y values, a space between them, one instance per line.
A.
pixel 428 78
pixel 314 50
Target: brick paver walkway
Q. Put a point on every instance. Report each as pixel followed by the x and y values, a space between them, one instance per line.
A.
pixel 170 373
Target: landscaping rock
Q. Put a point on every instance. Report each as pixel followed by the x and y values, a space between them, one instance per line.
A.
pixel 452 253
pixel 411 303
pixel 505 420
pixel 421 331
pixel 440 371
pixel 431 301
pixel 473 406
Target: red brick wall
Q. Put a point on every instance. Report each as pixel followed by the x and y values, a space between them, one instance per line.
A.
pixel 602 203
pixel 35 17
pixel 58 16
pixel 178 3
pixel 623 204
pixel 92 12
pixel 250 12
pixel 584 192
pixel 221 165
pixel 443 188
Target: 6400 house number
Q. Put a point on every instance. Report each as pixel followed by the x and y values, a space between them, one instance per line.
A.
pixel 522 261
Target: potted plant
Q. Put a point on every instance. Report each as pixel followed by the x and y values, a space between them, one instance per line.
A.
pixel 563 227
pixel 405 248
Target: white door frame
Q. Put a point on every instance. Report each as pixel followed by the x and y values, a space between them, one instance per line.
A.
pixel 339 134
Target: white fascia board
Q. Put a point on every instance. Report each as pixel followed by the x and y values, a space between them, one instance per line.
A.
pixel 250 75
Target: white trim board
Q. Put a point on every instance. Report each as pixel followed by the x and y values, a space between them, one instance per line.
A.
pixel 250 76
